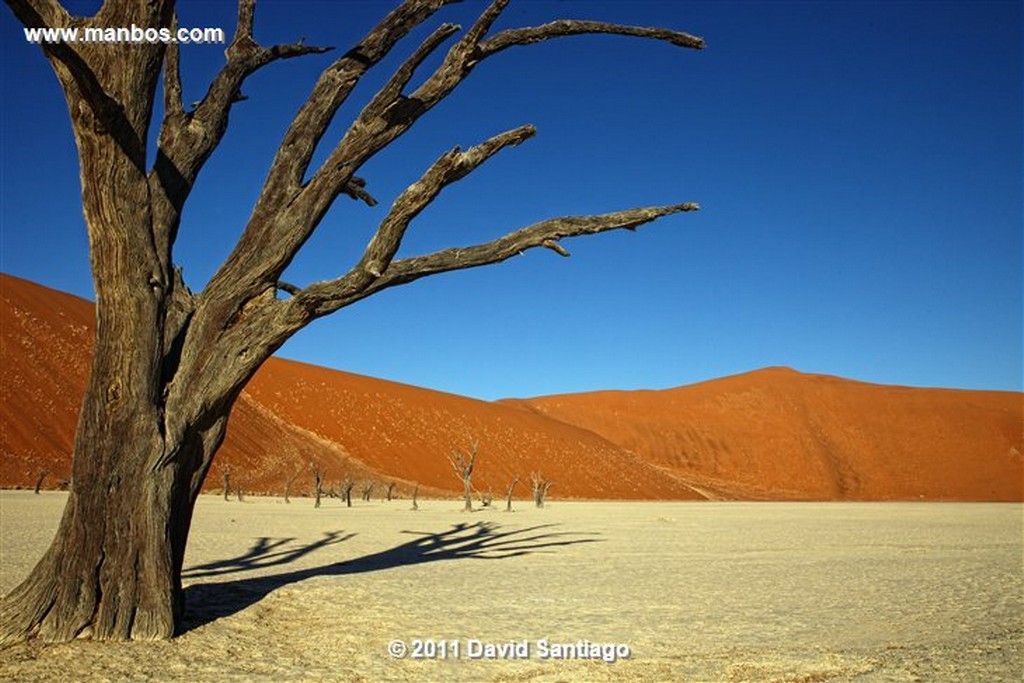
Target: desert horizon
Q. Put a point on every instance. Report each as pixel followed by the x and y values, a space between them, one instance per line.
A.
pixel 770 434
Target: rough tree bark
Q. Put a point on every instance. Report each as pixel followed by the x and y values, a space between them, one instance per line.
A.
pixel 168 364
pixel 463 464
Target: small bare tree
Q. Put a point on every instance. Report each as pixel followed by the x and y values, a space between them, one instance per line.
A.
pixel 368 490
pixel 415 493
pixel 240 493
pixel 508 493
pixel 540 488
pixel 318 483
pixel 463 464
pixel 288 484
pixel 39 480
pixel 391 489
pixel 227 481
pixel 346 490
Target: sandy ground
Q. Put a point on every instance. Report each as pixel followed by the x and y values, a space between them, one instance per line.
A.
pixel 696 591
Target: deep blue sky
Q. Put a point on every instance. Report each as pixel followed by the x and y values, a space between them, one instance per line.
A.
pixel 859 165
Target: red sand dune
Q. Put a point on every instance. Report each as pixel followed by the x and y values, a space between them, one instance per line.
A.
pixel 778 434
pixel 771 434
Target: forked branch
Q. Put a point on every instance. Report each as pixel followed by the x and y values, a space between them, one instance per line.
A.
pixel 188 142
pixel 451 167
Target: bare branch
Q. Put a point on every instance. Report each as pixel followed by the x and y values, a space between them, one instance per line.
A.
pixel 288 287
pixel 356 189
pixel 457 462
pixel 187 143
pixel 555 247
pixel 334 86
pixel 513 244
pixel 328 296
pixel 172 77
pixel 449 168
pixel 246 14
pixel 392 90
pixel 244 58
pixel 568 27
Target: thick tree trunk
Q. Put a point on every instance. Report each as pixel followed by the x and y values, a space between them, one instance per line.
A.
pixel 114 568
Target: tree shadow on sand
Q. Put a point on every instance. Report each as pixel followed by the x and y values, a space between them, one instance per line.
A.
pixel 208 602
pixel 264 553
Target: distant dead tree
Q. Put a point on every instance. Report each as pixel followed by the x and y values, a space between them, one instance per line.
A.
pixel 415 493
pixel 368 490
pixel 288 484
pixel 540 488
pixel 391 489
pixel 463 464
pixel 346 490
pixel 240 493
pixel 318 483
pixel 508 493
pixel 39 481
pixel 227 481
pixel 486 498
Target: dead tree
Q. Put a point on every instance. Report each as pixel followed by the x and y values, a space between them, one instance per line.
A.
pixel 346 490
pixel 288 484
pixel 168 363
pixel 318 483
pixel 368 490
pixel 540 488
pixel 391 489
pixel 227 481
pixel 240 493
pixel 415 494
pixel 463 466
pixel 508 493
pixel 39 481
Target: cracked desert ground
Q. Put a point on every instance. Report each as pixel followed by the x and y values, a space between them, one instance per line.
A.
pixel 796 592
